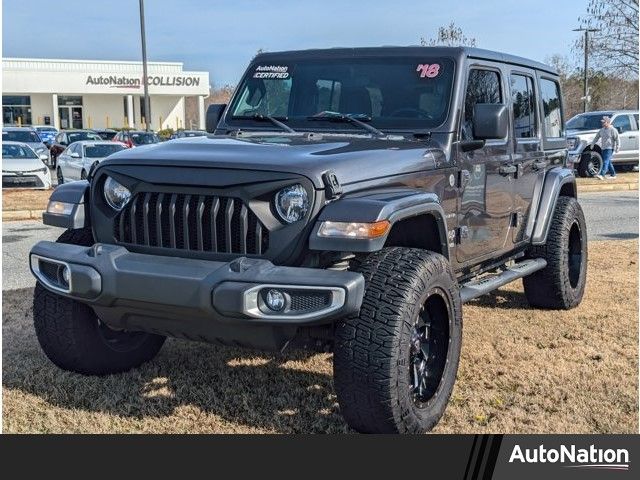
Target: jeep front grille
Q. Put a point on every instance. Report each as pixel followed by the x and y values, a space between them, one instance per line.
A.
pixel 204 223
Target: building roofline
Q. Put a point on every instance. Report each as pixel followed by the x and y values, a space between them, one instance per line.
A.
pixel 109 62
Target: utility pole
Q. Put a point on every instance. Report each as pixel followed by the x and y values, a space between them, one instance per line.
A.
pixel 147 107
pixel 586 31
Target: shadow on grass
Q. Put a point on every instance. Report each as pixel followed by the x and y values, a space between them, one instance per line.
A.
pixel 250 389
pixel 502 299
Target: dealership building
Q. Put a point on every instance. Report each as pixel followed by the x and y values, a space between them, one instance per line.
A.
pixel 98 94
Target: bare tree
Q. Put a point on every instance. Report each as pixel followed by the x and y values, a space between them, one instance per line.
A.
pixel 450 36
pixel 614 47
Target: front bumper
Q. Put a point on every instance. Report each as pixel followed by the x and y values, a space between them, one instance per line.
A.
pixel 192 298
pixel 36 179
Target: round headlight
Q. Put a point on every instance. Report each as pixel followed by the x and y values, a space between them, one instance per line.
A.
pixel 292 203
pixel 115 194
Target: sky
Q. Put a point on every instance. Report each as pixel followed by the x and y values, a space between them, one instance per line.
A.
pixel 221 37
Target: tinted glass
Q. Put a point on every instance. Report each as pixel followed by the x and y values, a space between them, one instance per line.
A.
pixel 483 86
pixel 107 135
pixel 390 92
pixel 144 138
pixel 17 151
pixel 524 119
pixel 20 136
pixel 586 121
pixel 622 123
pixel 637 120
pixel 79 136
pixel 552 108
pixel 99 151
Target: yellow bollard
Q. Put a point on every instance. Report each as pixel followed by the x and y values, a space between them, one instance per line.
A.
pixel 108 126
pixel 19 121
pixel 160 122
pixel 89 121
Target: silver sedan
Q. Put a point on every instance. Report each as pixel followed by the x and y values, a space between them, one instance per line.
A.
pixel 76 161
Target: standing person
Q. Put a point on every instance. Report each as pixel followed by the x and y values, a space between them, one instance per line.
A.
pixel 609 143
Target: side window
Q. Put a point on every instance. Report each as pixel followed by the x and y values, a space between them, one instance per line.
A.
pixel 524 119
pixel 635 115
pixel 622 123
pixel 552 108
pixel 483 87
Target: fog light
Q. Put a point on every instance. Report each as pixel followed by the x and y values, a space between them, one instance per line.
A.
pixel 275 300
pixel 66 275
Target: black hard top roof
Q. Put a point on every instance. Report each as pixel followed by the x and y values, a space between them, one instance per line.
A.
pixel 456 52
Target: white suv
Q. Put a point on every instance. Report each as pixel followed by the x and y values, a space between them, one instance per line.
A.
pixel 581 130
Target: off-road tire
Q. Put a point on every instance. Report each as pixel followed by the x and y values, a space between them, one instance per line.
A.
pixel 372 354
pixel 73 337
pixel 590 162
pixel 560 285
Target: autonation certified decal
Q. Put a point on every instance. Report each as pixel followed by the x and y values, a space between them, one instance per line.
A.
pixel 573 457
pixel 280 72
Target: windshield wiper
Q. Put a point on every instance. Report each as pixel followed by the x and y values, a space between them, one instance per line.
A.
pixel 348 118
pixel 268 118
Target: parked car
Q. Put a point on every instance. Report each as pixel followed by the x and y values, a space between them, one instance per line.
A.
pixel 582 129
pixel 29 136
pixel 349 200
pixel 47 133
pixel 22 167
pixel 106 133
pixel 79 158
pixel 135 138
pixel 188 134
pixel 66 138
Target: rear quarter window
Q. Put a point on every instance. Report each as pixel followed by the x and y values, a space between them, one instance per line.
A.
pixel 552 124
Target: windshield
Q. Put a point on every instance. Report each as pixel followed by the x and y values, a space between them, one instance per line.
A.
pixel 25 136
pixel 586 121
pixel 100 151
pixel 79 136
pixel 17 151
pixel 403 93
pixel 144 138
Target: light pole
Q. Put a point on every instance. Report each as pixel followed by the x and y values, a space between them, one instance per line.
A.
pixel 586 31
pixel 147 108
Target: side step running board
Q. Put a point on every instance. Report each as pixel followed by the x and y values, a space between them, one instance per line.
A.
pixel 477 288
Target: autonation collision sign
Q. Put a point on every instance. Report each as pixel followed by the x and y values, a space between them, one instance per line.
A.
pixel 122 81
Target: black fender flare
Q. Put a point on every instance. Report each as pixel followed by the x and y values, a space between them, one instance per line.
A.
pixel 558 180
pixel 73 193
pixel 368 207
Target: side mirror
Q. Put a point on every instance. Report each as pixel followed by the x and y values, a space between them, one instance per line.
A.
pixel 620 129
pixel 214 114
pixel 490 121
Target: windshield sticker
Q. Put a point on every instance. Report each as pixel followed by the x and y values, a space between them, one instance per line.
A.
pixel 428 71
pixel 280 72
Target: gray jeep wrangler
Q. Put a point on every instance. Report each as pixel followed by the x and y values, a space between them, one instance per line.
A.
pixel 348 200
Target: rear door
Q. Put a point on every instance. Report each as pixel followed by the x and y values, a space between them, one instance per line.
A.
pixel 484 212
pixel 528 156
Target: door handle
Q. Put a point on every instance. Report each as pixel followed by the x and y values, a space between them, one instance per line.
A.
pixel 507 169
pixel 540 164
pixel 631 136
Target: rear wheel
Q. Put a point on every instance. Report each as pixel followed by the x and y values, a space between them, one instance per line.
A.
pixel 395 363
pixel 590 164
pixel 75 339
pixel 561 284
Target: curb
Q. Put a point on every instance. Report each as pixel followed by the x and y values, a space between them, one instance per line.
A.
pixel 15 215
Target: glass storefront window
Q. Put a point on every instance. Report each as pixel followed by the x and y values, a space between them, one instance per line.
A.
pixel 16 107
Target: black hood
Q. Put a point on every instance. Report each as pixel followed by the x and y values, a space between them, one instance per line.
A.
pixel 353 158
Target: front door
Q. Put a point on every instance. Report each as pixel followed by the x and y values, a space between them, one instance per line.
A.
pixel 628 136
pixel 70 117
pixel 484 214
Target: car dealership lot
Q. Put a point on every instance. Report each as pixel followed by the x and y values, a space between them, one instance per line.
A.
pixel 522 370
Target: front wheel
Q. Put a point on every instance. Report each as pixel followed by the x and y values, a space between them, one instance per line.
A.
pixel 395 363
pixel 590 164
pixel 75 339
pixel 561 284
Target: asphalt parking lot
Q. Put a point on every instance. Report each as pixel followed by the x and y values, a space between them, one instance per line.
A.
pixel 610 216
